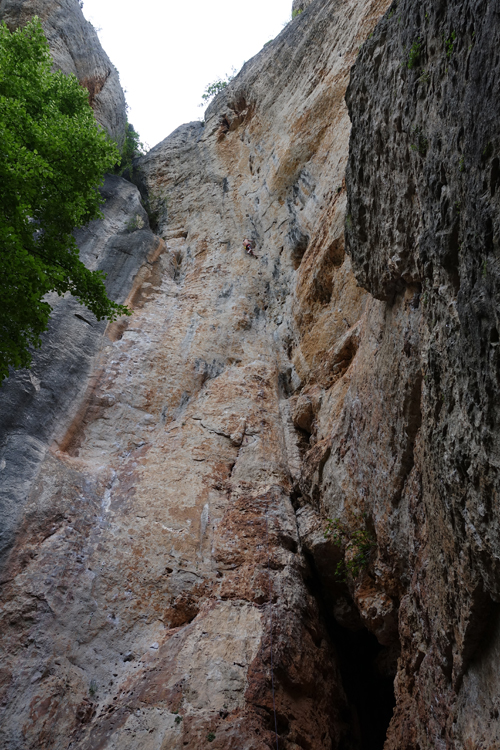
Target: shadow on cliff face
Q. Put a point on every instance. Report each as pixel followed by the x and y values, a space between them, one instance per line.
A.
pixel 369 687
pixel 367 668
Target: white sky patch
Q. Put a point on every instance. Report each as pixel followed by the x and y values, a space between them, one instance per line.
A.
pixel 167 52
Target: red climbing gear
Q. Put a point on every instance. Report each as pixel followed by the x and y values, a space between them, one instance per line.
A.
pixel 249 246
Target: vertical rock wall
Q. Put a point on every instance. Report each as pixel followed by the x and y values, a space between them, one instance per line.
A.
pixel 423 232
pixel 166 581
pixel 156 593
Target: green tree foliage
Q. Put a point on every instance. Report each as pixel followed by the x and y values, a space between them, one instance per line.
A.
pixel 53 158
pixel 214 88
pixel 132 147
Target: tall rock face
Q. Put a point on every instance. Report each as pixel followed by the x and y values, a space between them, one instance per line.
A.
pixel 75 47
pixel 167 582
pixel 424 226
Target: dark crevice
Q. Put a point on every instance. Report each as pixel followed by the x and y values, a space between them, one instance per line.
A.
pixel 80 317
pixel 367 668
pixel 495 177
pixel 368 687
pixel 480 633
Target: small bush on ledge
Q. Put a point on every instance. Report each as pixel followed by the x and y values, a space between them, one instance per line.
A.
pixel 358 544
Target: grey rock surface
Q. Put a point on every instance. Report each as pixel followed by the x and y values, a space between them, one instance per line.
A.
pixel 76 48
pixel 300 5
pixel 35 403
pixel 424 219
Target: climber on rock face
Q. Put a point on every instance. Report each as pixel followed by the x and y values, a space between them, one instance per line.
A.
pixel 249 246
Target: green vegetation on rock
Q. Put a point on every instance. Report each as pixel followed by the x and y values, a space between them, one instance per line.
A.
pixel 357 546
pixel 132 147
pixel 54 157
pixel 420 143
pixel 414 54
pixel 214 88
pixel 449 43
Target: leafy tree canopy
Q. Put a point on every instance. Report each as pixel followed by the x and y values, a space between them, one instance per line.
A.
pixel 53 158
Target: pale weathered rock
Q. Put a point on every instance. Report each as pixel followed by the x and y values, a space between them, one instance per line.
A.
pixel 172 522
pixel 160 522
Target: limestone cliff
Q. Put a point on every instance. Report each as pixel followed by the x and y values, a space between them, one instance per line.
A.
pixel 423 231
pixel 166 581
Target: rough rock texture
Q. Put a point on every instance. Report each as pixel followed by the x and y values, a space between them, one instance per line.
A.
pixel 75 47
pixel 158 555
pixel 423 230
pixel 35 402
pixel 300 5
pixel 167 582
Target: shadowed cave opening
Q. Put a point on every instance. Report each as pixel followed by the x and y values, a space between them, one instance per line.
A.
pixel 367 668
pixel 368 686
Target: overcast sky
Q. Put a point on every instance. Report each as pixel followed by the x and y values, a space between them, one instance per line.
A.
pixel 167 52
